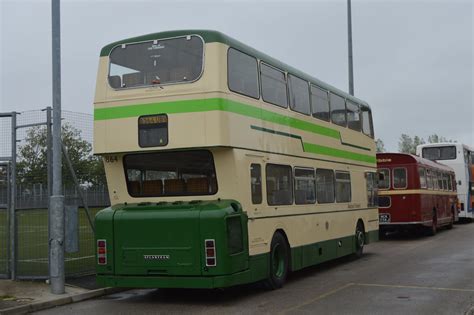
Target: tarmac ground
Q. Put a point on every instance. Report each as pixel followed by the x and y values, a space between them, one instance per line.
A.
pixel 402 274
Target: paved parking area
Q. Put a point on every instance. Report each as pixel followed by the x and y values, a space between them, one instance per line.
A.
pixel 402 274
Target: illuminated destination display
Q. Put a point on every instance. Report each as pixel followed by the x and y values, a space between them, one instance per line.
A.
pixel 153 130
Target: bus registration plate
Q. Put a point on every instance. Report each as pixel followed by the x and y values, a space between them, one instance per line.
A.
pixel 384 217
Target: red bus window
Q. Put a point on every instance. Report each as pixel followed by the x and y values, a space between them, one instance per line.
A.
pixel 384 183
pixel 384 202
pixel 399 178
pixel 422 173
pixel 429 179
pixel 445 181
pixel 440 180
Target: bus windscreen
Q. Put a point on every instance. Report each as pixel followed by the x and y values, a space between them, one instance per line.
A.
pixel 439 153
pixel 157 62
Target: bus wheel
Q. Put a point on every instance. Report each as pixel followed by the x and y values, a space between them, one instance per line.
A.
pixel 279 262
pixel 433 229
pixel 451 223
pixel 359 240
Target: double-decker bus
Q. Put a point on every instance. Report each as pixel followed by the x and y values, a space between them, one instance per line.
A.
pixel 224 165
pixel 415 193
pixel 459 157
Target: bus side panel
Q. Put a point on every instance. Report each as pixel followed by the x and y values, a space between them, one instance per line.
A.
pixel 313 238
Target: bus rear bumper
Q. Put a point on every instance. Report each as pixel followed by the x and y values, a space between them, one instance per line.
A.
pixel 257 271
pixel 209 282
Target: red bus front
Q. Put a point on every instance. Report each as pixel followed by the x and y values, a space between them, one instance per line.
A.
pixel 414 193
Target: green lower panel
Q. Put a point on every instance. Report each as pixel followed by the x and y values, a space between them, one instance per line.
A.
pixel 258 271
pixel 301 257
pixel 313 254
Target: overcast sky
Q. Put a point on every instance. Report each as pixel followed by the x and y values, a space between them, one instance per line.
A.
pixel 413 60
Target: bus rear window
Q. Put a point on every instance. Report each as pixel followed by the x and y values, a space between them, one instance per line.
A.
pixel 184 173
pixel 166 61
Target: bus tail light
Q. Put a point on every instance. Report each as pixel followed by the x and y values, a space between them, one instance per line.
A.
pixel 101 252
pixel 210 246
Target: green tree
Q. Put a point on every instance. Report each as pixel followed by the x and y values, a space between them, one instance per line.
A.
pixel 405 144
pixel 380 146
pixel 416 142
pixel 434 138
pixel 32 165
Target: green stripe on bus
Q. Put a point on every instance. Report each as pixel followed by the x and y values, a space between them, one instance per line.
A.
pixel 204 105
pixel 212 104
pixel 280 133
pixel 319 149
pixel 323 150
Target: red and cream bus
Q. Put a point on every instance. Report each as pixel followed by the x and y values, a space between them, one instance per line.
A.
pixel 415 193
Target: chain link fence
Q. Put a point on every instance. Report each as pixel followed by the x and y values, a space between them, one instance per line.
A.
pixel 32 192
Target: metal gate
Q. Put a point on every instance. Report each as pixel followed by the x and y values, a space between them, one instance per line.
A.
pixel 4 207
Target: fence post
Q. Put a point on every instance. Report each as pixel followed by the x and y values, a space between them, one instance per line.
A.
pixel 77 186
pixel 49 169
pixel 12 217
pixel 56 241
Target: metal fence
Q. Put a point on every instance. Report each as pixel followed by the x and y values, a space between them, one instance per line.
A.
pixel 5 159
pixel 4 195
pixel 31 235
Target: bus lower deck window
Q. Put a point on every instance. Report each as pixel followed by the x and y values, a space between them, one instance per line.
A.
pixel 256 183
pixel 179 173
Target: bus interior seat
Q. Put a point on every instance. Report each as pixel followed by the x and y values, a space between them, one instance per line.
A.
pixel 271 191
pixel 325 115
pixel 354 124
pixel 282 196
pixel 300 196
pixel 174 186
pixel 213 184
pixel 197 185
pixel 115 81
pixel 133 79
pixel 153 187
pixel 180 74
pixel 134 187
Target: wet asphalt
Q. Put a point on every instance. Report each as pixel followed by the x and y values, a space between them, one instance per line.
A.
pixel 401 274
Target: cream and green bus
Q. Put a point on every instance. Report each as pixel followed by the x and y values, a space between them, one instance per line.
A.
pixel 225 166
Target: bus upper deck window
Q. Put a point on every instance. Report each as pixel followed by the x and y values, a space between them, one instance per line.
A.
pixel 338 110
pixel 367 125
pixel 353 116
pixel 165 61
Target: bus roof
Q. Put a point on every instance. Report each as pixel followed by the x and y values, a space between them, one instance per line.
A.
pixel 211 36
pixel 403 158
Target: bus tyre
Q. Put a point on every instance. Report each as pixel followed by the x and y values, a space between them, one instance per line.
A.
pixel 359 240
pixel 279 262
pixel 451 223
pixel 433 229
